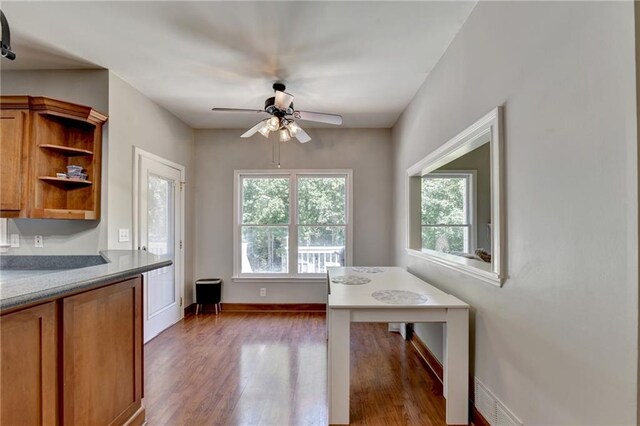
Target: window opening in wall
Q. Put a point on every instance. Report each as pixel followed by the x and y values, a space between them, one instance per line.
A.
pixel 291 224
pixel 454 203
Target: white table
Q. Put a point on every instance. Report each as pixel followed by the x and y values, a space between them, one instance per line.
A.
pixel 354 303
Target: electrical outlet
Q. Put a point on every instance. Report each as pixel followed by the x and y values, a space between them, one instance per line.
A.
pixel 15 240
pixel 39 240
pixel 263 292
pixel 123 235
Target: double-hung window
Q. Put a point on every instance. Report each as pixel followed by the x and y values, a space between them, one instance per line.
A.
pixel 291 224
pixel 448 223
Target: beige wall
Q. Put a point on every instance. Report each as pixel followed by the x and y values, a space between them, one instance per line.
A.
pixel 136 121
pixel 86 87
pixel 219 152
pixel 637 25
pixel 558 342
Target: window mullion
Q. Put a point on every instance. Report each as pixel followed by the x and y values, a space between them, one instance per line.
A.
pixel 293 224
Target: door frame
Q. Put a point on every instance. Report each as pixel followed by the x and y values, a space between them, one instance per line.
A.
pixel 138 154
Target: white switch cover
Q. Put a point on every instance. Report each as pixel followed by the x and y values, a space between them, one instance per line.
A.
pixel 15 240
pixel 123 235
pixel 39 241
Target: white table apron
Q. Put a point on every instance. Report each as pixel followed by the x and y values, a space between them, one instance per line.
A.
pixel 354 303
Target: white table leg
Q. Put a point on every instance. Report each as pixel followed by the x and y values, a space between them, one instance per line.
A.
pixel 338 366
pixel 456 371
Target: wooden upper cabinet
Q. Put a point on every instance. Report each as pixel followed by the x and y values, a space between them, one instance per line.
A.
pixel 53 134
pixel 12 131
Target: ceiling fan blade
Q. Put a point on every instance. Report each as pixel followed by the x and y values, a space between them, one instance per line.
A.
pixel 302 136
pixel 283 100
pixel 237 110
pixel 319 117
pixel 253 130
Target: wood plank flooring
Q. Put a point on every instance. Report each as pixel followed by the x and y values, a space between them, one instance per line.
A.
pixel 270 369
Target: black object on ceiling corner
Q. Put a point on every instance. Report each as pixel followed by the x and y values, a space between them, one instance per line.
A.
pixel 5 43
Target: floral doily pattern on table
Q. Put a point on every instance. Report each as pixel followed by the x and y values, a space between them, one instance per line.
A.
pixel 399 297
pixel 368 269
pixel 350 280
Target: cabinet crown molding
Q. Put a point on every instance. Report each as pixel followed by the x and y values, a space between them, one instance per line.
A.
pixel 52 106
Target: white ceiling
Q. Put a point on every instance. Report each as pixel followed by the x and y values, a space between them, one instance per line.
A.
pixel 364 60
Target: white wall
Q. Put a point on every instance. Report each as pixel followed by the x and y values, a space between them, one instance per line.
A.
pixel 558 342
pixel 135 120
pixel 220 152
pixel 86 87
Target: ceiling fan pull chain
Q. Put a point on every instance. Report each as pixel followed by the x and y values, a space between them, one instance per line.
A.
pixel 275 151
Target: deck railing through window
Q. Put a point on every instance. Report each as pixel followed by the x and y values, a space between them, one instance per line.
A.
pixel 316 260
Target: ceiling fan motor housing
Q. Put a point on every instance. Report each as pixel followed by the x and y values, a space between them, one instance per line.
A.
pixel 269 106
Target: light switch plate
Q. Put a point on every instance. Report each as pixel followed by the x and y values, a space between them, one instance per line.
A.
pixel 123 235
pixel 39 241
pixel 15 240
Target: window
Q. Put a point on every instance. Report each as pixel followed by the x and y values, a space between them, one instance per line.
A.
pixel 291 224
pixel 447 200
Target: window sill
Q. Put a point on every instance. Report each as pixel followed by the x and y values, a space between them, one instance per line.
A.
pixel 297 280
pixel 475 269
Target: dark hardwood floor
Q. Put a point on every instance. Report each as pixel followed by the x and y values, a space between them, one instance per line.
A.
pixel 270 369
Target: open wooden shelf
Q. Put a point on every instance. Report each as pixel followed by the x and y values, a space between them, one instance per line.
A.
pixel 65 181
pixel 40 137
pixel 68 151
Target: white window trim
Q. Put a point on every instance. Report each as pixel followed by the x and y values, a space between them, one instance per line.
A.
pixel 488 127
pixel 292 276
pixel 471 200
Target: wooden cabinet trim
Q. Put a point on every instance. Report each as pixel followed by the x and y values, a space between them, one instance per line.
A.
pixel 66 109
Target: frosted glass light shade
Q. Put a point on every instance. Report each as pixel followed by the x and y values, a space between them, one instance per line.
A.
pixel 273 124
pixel 264 130
pixel 284 135
pixel 293 128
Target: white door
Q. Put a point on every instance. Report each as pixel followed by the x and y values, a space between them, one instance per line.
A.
pixel 160 216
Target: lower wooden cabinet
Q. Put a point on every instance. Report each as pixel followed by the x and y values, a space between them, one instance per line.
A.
pixel 28 362
pixel 102 355
pixel 83 369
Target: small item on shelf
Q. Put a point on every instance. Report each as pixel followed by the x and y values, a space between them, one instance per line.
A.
pixel 75 172
pixel 61 175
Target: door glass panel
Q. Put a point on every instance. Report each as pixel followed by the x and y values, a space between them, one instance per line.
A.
pixel 161 241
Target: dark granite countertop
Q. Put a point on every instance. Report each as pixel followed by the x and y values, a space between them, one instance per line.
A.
pixel 27 286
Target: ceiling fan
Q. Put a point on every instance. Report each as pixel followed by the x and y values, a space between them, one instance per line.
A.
pixel 282 112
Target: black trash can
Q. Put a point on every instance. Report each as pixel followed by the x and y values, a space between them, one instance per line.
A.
pixel 209 292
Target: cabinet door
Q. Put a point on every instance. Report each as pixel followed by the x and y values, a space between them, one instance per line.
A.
pixel 102 355
pixel 11 137
pixel 28 380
